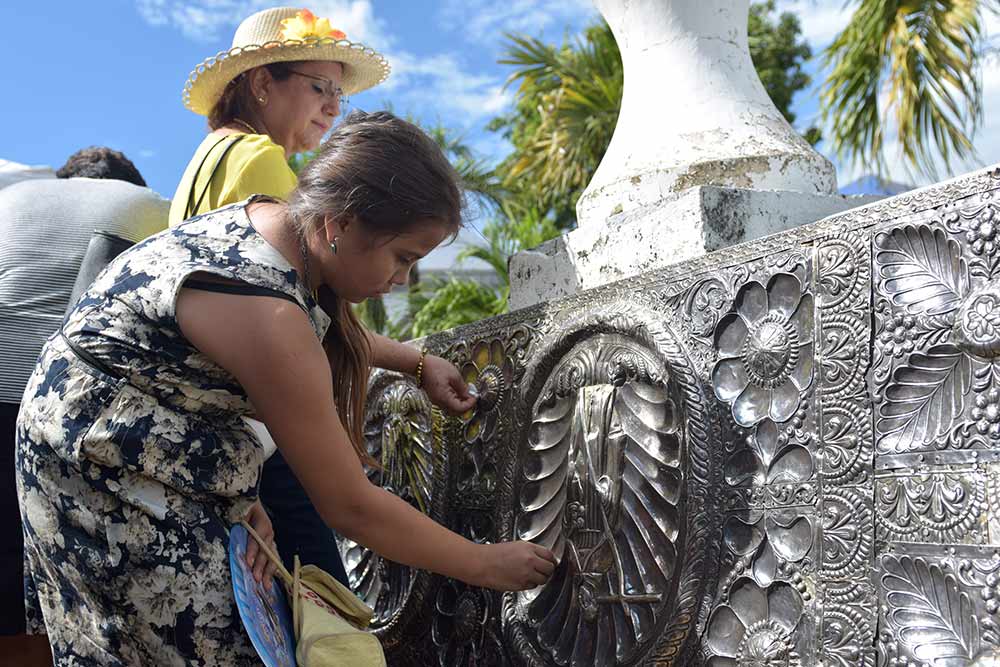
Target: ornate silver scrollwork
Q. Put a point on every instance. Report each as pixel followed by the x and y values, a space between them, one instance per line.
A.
pixel 400 434
pixel 782 453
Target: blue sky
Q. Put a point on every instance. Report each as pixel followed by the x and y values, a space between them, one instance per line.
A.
pixel 110 72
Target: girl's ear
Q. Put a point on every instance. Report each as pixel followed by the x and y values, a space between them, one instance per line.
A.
pixel 338 226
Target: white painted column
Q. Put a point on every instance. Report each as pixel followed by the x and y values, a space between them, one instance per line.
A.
pixel 694 112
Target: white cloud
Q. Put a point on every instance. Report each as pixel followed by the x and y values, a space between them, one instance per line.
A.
pixel 441 82
pixel 210 20
pixel 487 20
pixel 821 20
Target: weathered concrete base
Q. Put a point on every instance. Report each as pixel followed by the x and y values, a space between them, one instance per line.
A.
pixel 697 221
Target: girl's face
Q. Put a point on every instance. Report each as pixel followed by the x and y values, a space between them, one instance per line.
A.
pixel 366 267
pixel 301 109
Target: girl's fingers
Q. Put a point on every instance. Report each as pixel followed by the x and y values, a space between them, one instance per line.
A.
pixel 252 550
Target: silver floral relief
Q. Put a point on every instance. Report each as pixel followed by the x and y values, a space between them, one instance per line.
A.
pixel 756 625
pixel 765 351
pixel 843 297
pixel 400 434
pixel 765 373
pixel 937 611
pixel 786 453
pixel 936 375
pixel 943 507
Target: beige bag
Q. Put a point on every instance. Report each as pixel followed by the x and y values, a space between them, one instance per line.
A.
pixel 329 620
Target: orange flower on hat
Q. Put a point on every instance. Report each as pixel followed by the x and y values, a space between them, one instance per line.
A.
pixel 304 25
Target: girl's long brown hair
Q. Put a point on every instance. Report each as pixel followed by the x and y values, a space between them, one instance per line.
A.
pixel 391 177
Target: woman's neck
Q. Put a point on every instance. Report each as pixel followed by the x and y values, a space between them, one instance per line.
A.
pixel 270 219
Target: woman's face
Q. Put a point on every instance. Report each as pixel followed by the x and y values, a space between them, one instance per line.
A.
pixel 301 109
pixel 365 268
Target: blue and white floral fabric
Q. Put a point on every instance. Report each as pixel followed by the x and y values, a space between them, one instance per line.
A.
pixel 134 463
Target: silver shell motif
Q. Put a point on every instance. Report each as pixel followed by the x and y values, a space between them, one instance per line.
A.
pixel 603 488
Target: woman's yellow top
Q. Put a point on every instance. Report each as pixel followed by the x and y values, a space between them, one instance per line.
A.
pixel 254 165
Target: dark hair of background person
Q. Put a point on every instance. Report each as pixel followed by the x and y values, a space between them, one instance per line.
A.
pixel 100 162
pixel 390 177
pixel 237 99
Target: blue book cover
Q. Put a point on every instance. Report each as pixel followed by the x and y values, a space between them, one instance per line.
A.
pixel 265 614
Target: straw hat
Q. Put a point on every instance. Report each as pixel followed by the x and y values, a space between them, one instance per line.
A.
pixel 283 34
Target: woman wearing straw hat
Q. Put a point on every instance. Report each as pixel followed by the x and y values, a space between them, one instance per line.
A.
pixel 132 457
pixel 275 93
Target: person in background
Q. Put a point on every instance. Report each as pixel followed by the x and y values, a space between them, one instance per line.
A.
pixel 264 105
pixel 133 460
pixel 45 227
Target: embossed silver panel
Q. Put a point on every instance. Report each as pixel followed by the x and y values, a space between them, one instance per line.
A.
pixel 784 453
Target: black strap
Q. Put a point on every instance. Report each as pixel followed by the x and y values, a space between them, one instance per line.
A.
pixel 243 289
pixel 193 206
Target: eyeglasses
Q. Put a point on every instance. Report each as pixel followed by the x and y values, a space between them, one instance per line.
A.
pixel 331 92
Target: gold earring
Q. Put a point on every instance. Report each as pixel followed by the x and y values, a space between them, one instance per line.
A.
pixel 260 98
pixel 333 244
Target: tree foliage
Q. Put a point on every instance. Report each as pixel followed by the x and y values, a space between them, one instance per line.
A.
pixel 911 65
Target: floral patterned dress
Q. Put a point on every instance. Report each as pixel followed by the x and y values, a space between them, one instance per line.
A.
pixel 133 460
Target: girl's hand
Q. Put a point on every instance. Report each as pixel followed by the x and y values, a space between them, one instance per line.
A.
pixel 263 567
pixel 514 566
pixel 445 387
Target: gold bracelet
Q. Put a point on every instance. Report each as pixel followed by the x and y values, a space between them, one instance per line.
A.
pixel 420 367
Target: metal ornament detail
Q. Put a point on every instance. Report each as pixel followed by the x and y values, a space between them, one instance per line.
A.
pixel 601 482
pixel 400 435
pixel 786 453
pixel 765 351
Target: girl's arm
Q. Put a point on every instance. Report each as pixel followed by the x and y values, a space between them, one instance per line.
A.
pixel 271 349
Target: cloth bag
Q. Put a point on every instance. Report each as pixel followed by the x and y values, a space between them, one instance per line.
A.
pixel 329 620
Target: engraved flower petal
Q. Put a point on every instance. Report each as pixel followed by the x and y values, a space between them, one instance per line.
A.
pixel 801 375
pixel 751 302
pixel 743 467
pixel 784 400
pixel 752 405
pixel 794 464
pixel 765 439
pixel 729 379
pixel 791 539
pixel 784 606
pixel 725 631
pixel 730 335
pixel 783 293
pixel 481 355
pixel 741 537
pixel 748 601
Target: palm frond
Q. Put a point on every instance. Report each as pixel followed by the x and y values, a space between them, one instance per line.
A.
pixel 912 65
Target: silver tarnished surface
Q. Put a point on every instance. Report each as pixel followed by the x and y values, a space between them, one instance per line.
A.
pixel 786 453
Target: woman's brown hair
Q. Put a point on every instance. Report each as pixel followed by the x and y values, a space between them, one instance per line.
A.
pixel 389 176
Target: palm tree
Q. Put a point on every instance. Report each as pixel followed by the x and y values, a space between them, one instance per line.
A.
pixel 567 109
pixel 910 65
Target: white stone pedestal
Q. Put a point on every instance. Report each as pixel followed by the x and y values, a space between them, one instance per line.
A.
pixel 700 220
pixel 701 159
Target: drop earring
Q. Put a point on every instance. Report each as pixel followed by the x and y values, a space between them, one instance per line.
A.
pixel 333 244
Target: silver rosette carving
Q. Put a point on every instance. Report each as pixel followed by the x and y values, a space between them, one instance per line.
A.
pixel 977 324
pixel 400 434
pixel 765 351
